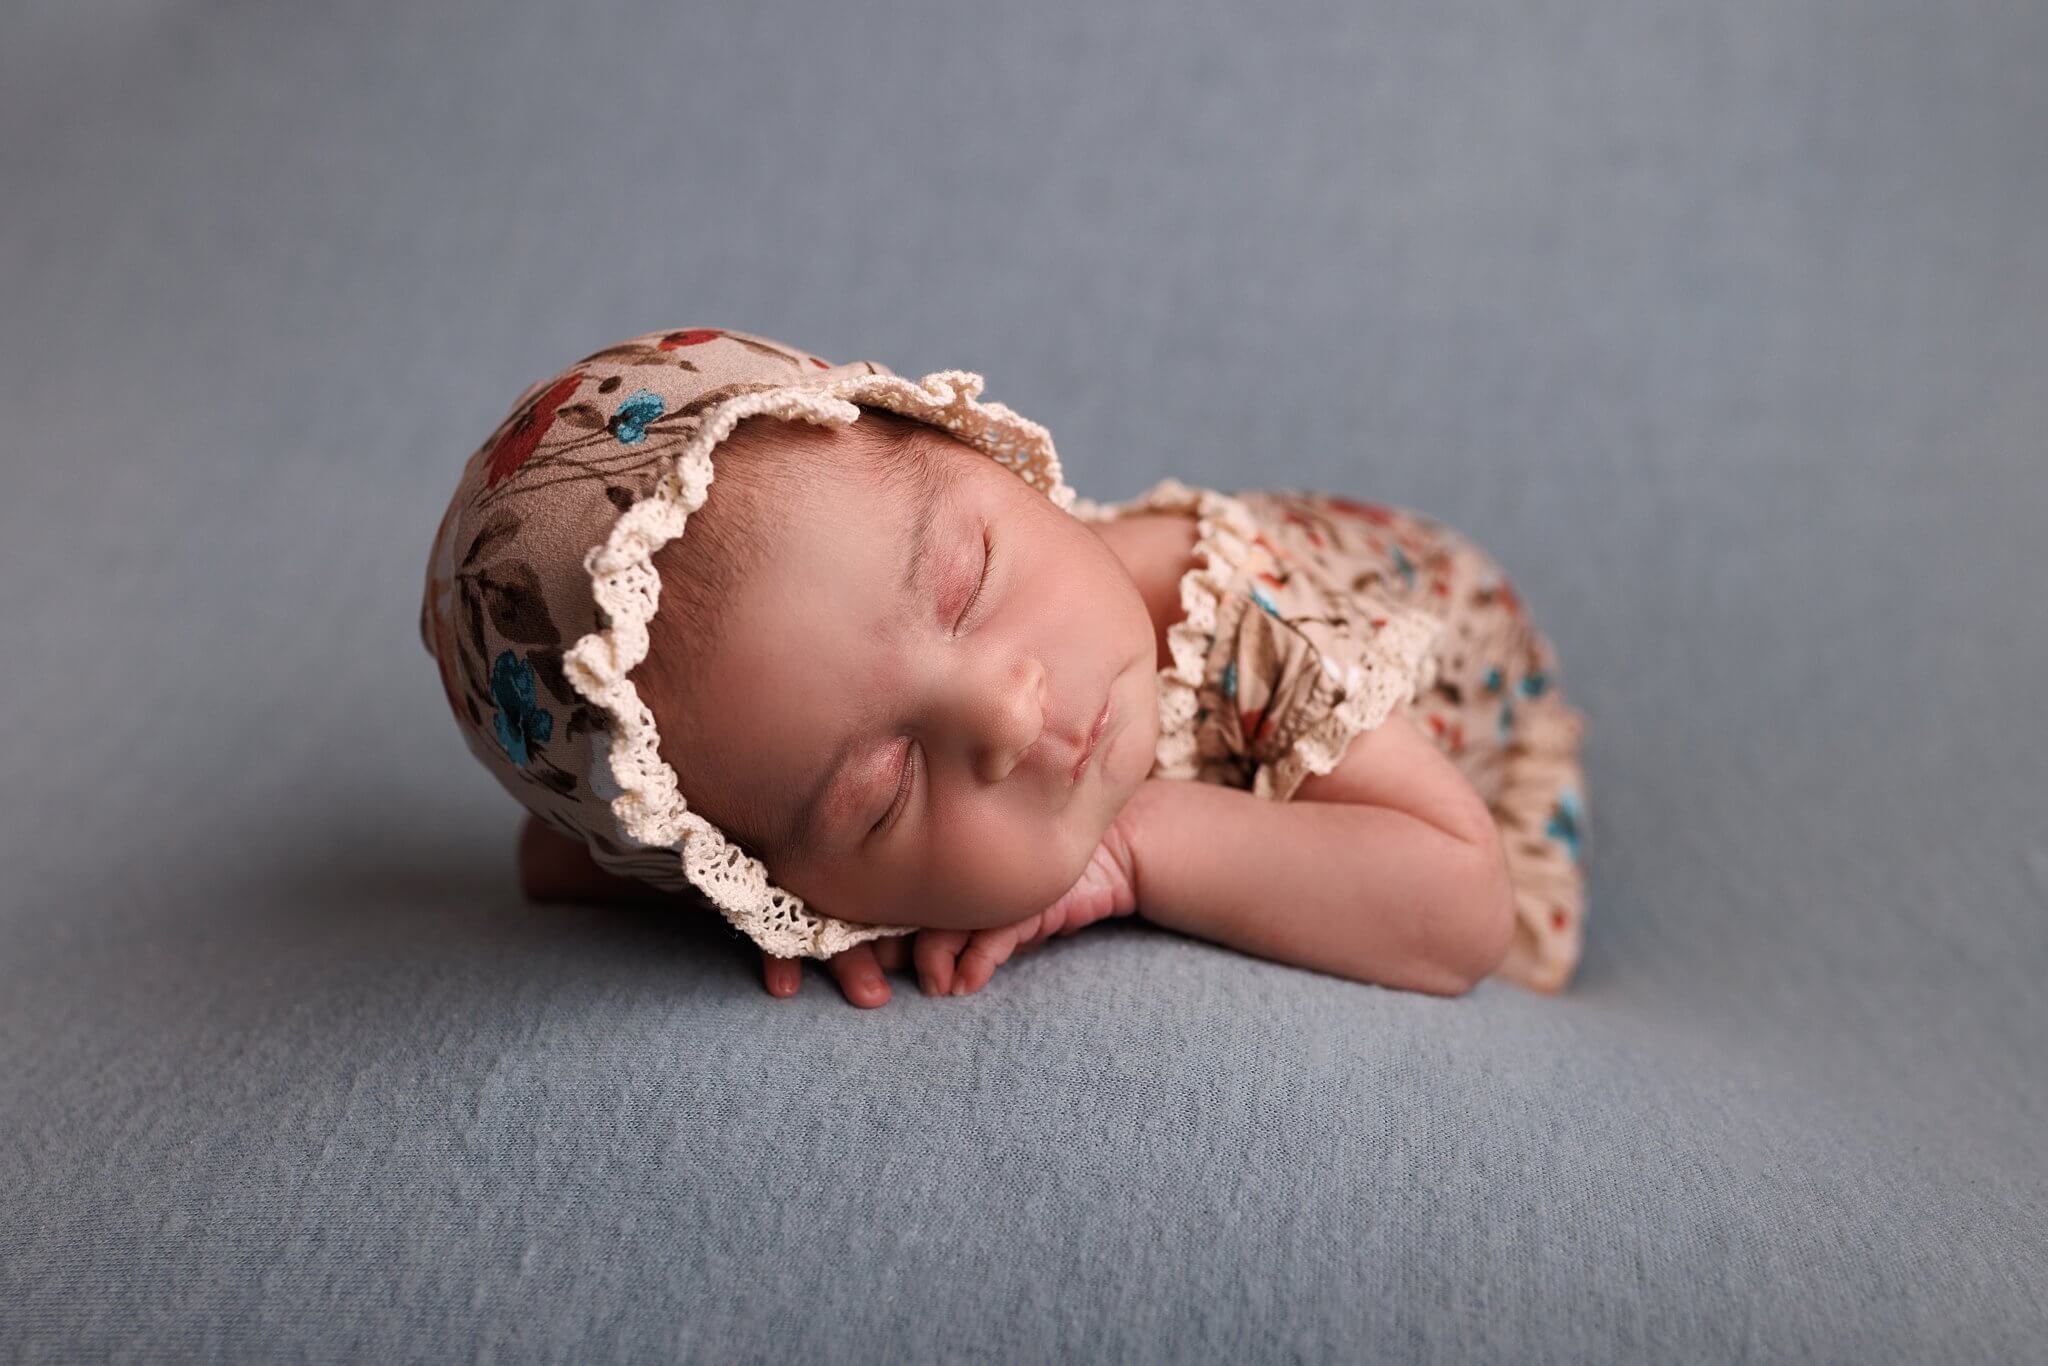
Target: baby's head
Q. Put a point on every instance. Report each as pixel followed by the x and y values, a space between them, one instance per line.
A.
pixel 889 597
pixel 668 590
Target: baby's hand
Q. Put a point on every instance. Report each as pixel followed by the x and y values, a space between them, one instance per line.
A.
pixel 859 970
pixel 960 962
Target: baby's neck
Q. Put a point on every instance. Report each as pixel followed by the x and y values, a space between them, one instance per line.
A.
pixel 1156 548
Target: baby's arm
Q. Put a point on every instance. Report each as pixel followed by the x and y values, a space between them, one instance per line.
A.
pixel 1388 869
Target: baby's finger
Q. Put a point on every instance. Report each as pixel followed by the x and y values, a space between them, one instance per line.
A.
pixel 985 952
pixel 934 953
pixel 860 976
pixel 782 976
pixel 891 951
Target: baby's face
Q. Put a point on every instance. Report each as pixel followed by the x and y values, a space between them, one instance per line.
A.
pixel 958 703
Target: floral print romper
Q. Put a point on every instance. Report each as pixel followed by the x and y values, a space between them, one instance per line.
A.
pixel 1327 612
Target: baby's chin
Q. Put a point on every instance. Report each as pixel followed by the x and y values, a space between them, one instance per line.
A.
pixel 990 907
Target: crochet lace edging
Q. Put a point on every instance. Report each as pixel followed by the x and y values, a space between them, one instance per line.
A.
pixel 626 586
pixel 1404 668
pixel 1224 531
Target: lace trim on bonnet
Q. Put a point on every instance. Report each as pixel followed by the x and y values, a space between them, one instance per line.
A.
pixel 1403 663
pixel 626 585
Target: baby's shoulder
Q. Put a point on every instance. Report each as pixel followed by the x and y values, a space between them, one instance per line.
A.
pixel 1352 546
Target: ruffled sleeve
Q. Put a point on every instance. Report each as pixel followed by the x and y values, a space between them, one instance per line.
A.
pixel 1291 693
pixel 1275 663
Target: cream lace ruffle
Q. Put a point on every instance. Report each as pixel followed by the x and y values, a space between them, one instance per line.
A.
pixel 650 807
pixel 1224 528
pixel 1404 665
pixel 1404 668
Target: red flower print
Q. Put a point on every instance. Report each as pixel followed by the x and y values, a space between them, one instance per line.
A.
pixel 1371 512
pixel 1259 538
pixel 696 336
pixel 1559 918
pixel 1307 525
pixel 1252 723
pixel 820 364
pixel 520 441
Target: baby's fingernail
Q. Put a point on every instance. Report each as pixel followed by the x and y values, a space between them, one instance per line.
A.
pixel 927 985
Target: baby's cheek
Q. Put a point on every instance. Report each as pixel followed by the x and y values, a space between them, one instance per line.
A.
pixel 1000 871
pixel 844 893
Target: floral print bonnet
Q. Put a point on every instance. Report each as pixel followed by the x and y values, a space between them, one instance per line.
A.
pixel 540 587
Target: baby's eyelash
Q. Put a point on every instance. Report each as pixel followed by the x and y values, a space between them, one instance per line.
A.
pixel 988 558
pixel 902 794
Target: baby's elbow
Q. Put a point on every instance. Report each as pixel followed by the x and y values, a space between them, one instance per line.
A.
pixel 1477 929
pixel 1493 917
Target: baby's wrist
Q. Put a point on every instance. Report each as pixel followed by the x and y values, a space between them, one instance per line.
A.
pixel 1139 825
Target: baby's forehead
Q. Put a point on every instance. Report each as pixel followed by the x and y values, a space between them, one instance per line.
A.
pixel 907 458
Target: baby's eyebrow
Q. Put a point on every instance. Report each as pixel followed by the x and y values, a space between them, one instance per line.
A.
pixel 931 480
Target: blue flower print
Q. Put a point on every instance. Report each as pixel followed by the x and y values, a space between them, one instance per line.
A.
pixel 629 423
pixel 1404 566
pixel 1493 679
pixel 1534 684
pixel 1507 719
pixel 1565 820
pixel 1262 600
pixel 1230 681
pixel 520 722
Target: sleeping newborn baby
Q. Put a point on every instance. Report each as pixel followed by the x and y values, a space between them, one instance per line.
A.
pixel 843 655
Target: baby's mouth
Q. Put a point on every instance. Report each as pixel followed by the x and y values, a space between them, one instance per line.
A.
pixel 1095 733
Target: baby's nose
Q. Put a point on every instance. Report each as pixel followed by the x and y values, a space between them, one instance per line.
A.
pixel 1012 721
